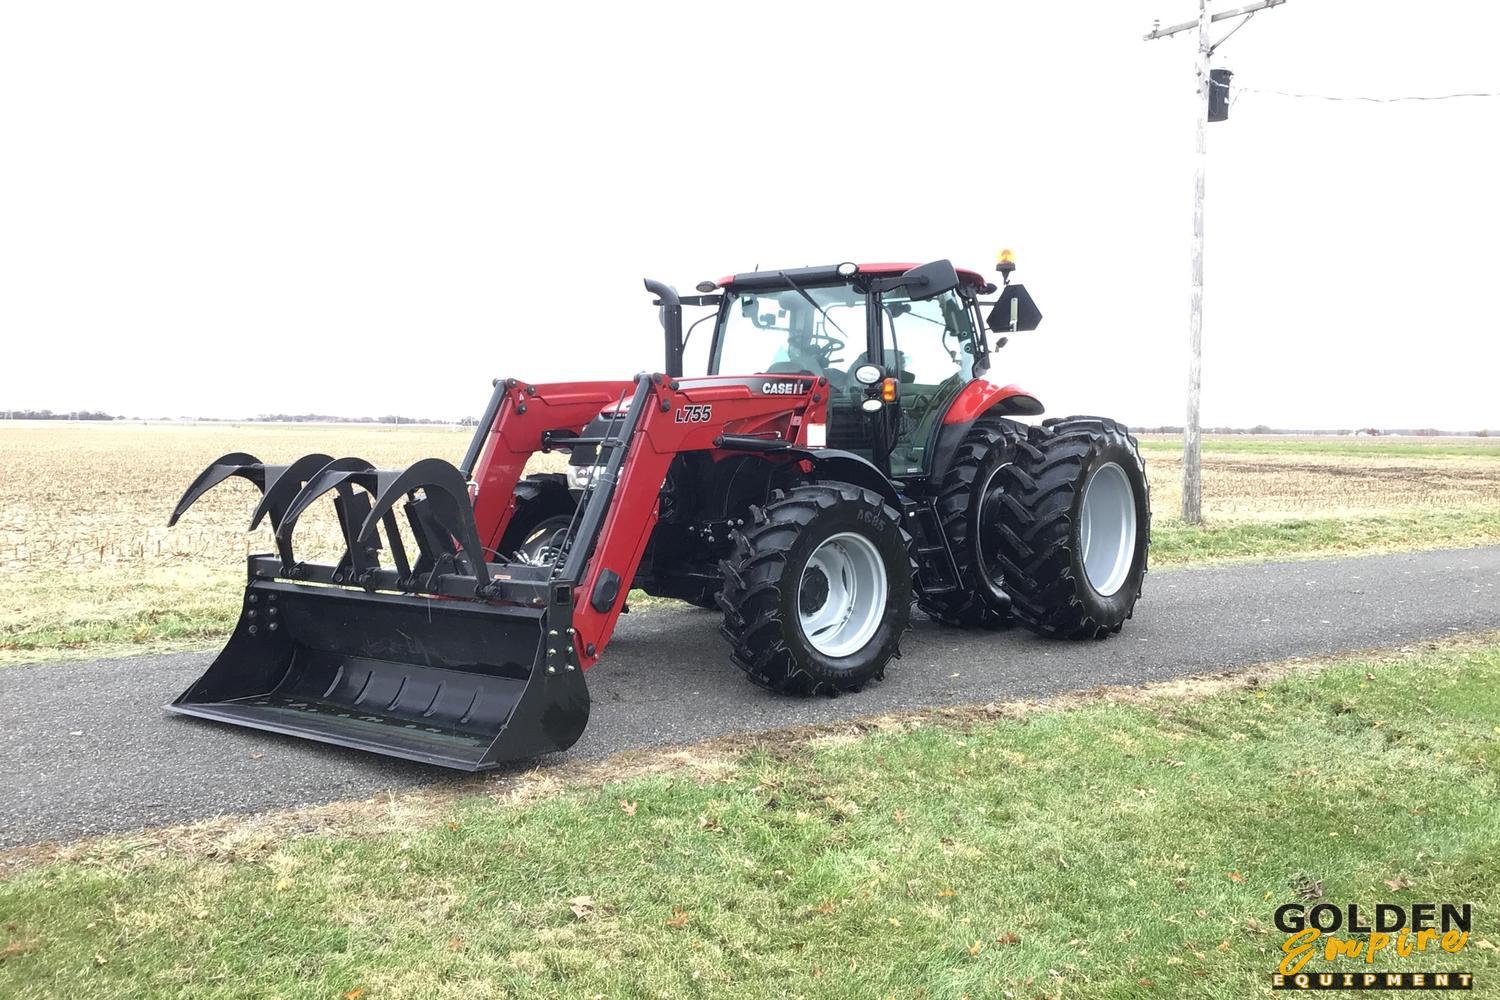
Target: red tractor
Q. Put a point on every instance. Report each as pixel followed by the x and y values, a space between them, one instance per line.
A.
pixel 862 459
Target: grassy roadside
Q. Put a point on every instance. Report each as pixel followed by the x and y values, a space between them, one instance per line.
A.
pixel 101 613
pixel 1413 448
pixel 149 610
pixel 1174 543
pixel 1116 850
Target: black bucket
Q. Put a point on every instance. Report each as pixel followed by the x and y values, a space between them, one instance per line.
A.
pixel 461 684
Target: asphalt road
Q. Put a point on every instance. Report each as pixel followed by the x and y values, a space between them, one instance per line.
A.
pixel 85 748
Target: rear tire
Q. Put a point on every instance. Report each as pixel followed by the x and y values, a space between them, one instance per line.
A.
pixel 981 600
pixel 817 591
pixel 1076 527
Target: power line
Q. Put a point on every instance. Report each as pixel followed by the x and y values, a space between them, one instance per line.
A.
pixel 1371 100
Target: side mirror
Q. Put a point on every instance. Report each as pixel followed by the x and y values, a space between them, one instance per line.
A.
pixel 930 280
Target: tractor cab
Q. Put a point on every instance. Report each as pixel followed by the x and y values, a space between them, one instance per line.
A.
pixel 897 344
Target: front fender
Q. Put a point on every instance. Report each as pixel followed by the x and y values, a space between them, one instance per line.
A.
pixel 847 467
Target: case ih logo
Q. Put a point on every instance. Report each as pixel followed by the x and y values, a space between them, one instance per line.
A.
pixel 786 388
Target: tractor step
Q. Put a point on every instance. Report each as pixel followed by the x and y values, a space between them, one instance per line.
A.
pixel 934 558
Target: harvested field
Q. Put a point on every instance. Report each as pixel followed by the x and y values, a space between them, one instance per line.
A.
pixel 98 495
pixel 90 566
pixel 1267 486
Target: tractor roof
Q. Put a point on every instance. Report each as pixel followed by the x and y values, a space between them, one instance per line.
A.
pixel 824 274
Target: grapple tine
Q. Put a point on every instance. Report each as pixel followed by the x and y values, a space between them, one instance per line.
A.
pixel 236 463
pixel 447 493
pixel 282 484
pixel 335 474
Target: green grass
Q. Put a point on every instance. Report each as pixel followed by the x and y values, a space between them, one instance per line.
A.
pixel 109 613
pixel 1481 448
pixel 116 613
pixel 1174 543
pixel 1113 851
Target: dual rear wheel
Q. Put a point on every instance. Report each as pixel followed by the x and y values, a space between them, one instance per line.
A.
pixel 1067 527
pixel 1049 527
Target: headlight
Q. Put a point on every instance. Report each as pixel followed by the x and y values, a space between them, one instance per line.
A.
pixel 579 476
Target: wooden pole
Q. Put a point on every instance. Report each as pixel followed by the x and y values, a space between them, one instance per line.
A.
pixel 1192 431
pixel 1192 436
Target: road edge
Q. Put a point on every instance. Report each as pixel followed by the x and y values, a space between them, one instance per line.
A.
pixel 244 836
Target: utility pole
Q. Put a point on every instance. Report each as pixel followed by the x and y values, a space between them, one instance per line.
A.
pixel 1192 431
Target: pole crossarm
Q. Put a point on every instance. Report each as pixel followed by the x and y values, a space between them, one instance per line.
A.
pixel 1222 16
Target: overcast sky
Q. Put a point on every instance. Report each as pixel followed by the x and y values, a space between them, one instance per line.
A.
pixel 366 208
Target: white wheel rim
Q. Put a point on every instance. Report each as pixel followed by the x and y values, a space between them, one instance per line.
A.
pixel 841 595
pixel 1107 531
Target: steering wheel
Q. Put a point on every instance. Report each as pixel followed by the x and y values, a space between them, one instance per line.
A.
pixel 825 344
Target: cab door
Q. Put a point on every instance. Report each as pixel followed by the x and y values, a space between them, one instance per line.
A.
pixel 931 346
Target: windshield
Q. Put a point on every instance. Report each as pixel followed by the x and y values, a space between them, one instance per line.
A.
pixel 779 331
pixel 930 345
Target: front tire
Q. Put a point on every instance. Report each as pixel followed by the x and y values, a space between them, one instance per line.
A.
pixel 1075 527
pixel 818 589
pixel 544 509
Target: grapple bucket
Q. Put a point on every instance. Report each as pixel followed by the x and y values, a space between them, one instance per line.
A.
pixel 433 654
pixel 430 659
pixel 462 684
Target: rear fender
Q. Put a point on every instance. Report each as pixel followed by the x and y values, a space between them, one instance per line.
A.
pixel 977 399
pixel 983 396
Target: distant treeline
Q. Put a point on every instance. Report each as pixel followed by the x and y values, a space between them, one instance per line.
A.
pixel 49 415
pixel 324 418
pixel 327 418
pixel 278 418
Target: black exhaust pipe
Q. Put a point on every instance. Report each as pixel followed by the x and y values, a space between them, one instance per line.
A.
pixel 671 323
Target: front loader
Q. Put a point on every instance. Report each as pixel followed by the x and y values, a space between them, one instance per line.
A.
pixel 845 455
